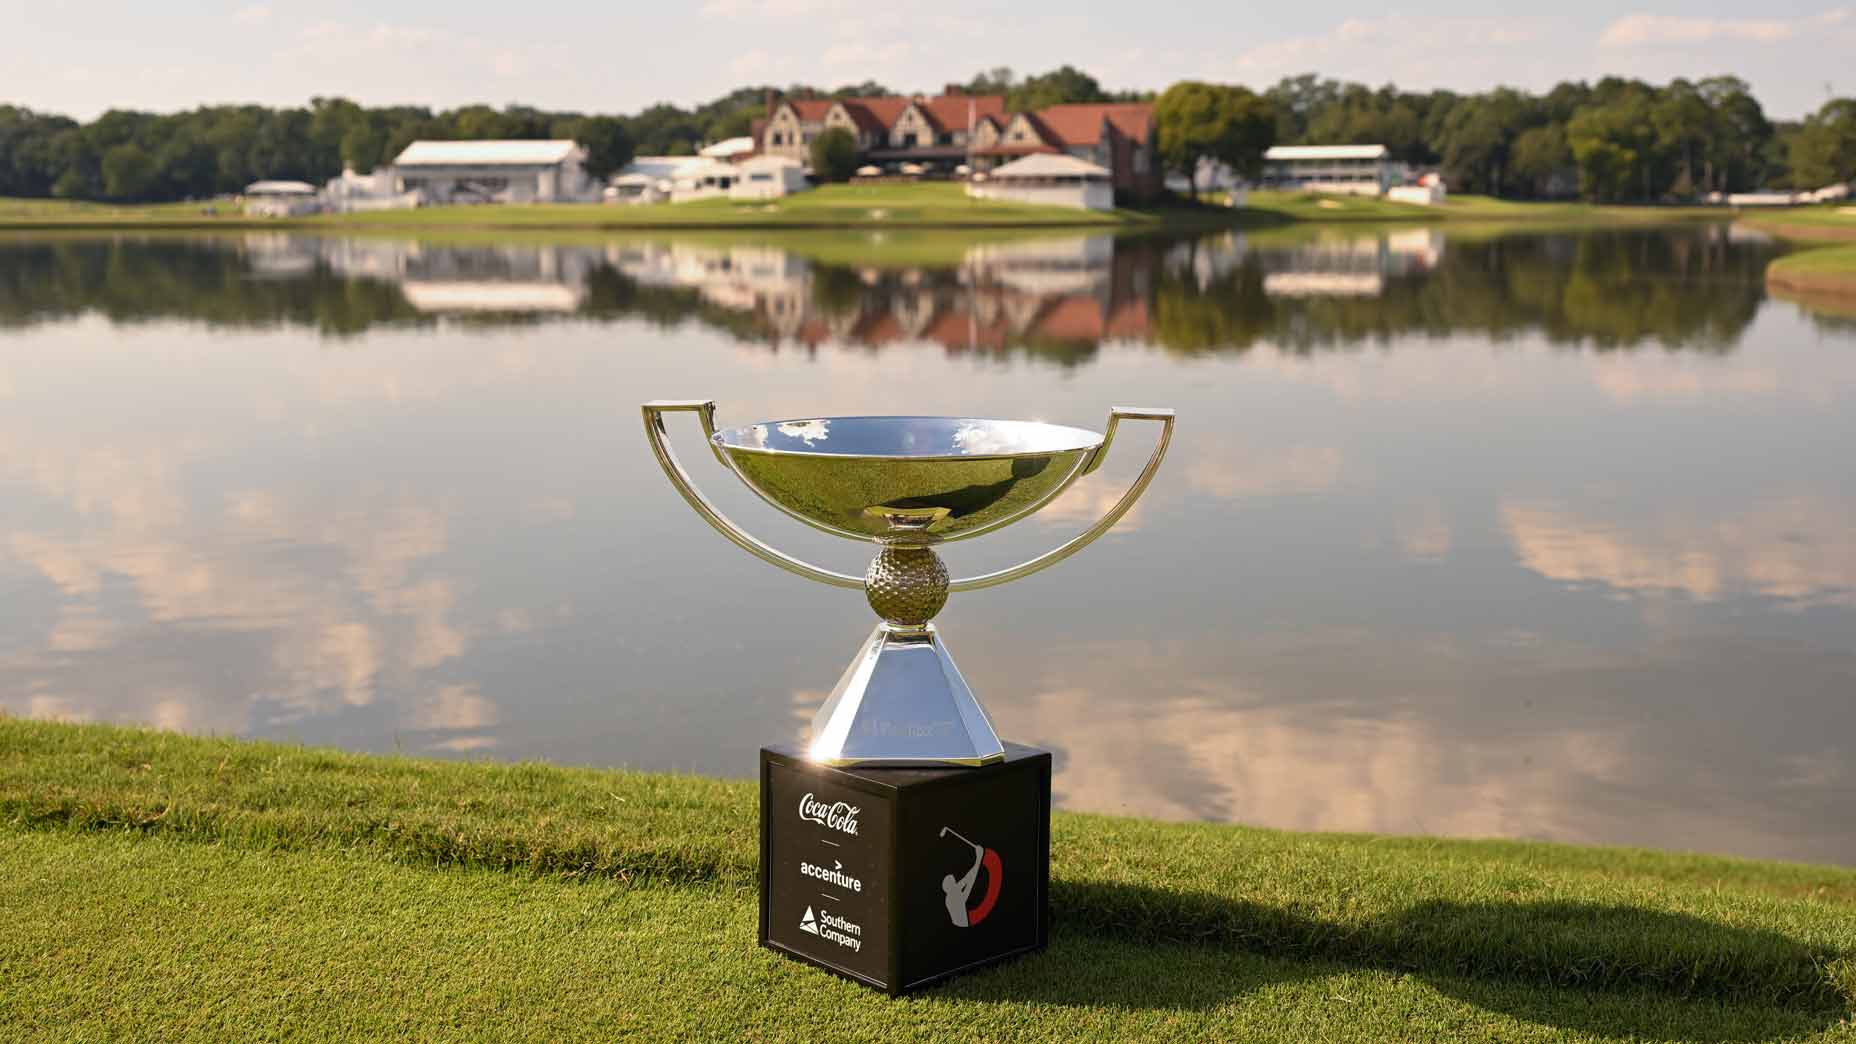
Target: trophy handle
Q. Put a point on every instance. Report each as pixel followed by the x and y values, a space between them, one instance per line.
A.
pixel 660 447
pixel 1107 521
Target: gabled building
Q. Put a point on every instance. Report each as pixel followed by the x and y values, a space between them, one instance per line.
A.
pixel 948 131
pixel 932 132
pixel 792 125
pixel 1115 136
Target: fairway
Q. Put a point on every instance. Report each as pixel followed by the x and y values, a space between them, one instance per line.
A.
pixel 167 888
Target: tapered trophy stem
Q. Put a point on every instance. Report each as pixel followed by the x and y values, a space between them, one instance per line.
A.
pixel 902 700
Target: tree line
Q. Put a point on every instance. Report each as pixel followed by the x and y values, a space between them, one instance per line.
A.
pixel 1616 139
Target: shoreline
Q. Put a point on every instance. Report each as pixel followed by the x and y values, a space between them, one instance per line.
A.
pixel 1824 264
pixel 927 207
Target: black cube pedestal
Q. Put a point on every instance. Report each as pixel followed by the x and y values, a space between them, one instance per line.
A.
pixel 898 877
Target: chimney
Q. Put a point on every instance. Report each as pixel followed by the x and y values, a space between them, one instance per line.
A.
pixel 768 95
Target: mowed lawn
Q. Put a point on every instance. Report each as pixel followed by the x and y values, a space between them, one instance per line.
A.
pixel 157 887
pixel 1822 272
pixel 874 207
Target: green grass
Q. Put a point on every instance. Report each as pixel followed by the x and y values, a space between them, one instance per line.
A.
pixel 1280 207
pixel 162 887
pixel 1830 221
pixel 929 204
pixel 1820 277
pixel 869 207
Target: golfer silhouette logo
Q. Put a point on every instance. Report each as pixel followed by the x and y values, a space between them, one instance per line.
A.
pixel 957 891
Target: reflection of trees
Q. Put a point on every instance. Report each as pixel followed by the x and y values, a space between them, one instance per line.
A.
pixel 140 281
pixel 1606 290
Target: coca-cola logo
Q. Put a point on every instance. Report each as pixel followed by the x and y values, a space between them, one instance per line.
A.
pixel 837 815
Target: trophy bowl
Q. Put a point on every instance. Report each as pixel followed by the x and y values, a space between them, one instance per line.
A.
pixel 907 480
pixel 906 484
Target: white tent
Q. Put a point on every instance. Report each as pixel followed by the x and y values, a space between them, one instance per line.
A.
pixel 1052 180
pixel 281 198
pixel 768 177
pixel 638 188
pixel 703 179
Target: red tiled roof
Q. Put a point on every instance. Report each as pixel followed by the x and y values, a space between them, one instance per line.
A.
pixel 810 110
pixel 950 111
pixel 1082 124
pixel 947 112
pixel 884 109
pixel 860 114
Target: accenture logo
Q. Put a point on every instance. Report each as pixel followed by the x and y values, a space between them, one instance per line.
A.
pixel 838 815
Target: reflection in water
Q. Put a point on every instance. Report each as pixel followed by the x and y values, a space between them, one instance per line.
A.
pixel 1058 298
pixel 391 494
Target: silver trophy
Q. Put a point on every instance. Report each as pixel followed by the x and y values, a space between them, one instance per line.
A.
pixel 904 484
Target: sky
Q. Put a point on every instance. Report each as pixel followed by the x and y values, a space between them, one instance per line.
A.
pixel 81 59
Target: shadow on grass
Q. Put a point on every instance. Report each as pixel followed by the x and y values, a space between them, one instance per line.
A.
pixel 1571 966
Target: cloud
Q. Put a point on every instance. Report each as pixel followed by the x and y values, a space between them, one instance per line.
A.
pixel 1641 30
pixel 254 14
pixel 1375 41
pixel 770 9
pixel 381 36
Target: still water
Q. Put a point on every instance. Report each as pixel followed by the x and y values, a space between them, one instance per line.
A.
pixel 1543 535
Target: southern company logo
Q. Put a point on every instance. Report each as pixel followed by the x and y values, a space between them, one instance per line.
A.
pixel 838 815
pixel 847 934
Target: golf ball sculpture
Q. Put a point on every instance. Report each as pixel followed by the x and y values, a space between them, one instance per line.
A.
pixel 907 484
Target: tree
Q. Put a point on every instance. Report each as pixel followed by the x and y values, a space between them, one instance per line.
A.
pixel 834 155
pixel 1539 156
pixel 127 171
pixel 1823 150
pixel 1196 121
pixel 608 146
pixel 1061 86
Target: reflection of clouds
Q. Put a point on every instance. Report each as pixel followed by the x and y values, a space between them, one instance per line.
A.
pixel 1627 382
pixel 1265 471
pixel 1087 500
pixel 1801 549
pixel 985 438
pixel 331 588
pixel 1216 754
pixel 455 707
pixel 1425 534
pixel 809 431
pixel 1251 745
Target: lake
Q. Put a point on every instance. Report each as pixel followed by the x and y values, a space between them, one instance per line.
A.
pixel 1539 535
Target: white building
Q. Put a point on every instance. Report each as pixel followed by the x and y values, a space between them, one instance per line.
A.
pixel 494 172
pixel 768 177
pixel 1357 170
pixel 348 192
pixel 703 178
pixel 1050 180
pixel 281 199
